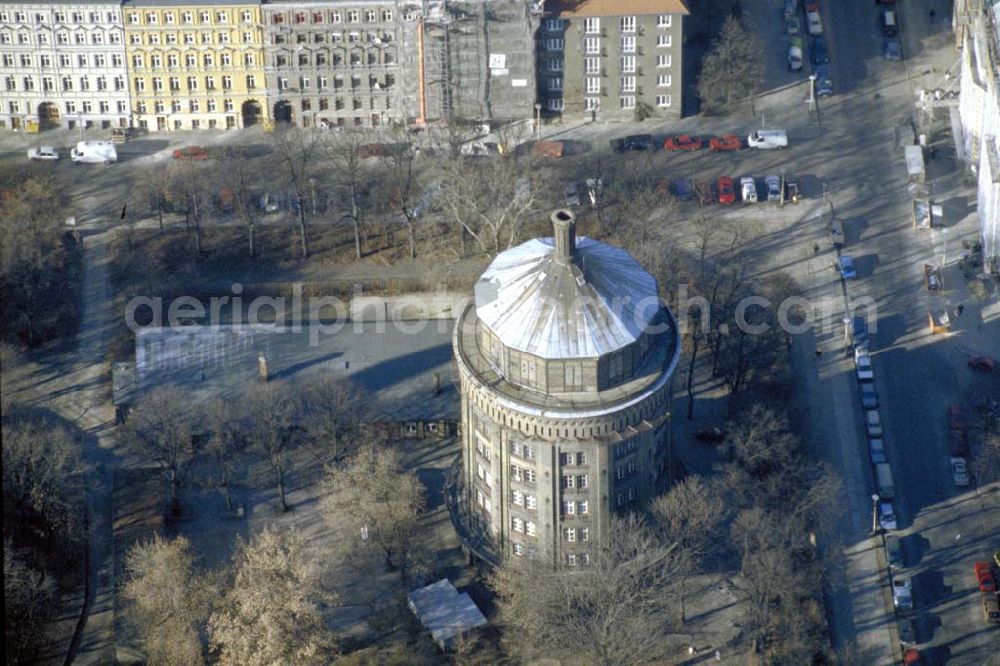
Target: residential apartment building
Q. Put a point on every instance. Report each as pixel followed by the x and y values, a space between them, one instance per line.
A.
pixel 977 27
pixel 195 66
pixel 611 59
pixel 62 64
pixel 331 63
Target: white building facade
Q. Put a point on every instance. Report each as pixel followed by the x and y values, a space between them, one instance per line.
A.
pixel 978 28
pixel 62 64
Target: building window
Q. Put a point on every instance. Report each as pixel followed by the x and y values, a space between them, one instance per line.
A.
pixel 627 23
pixel 591 104
pixel 168 18
pixel 227 82
pixel 628 43
pixel 592 45
pixel 592 66
pixel 663 20
pixel 529 528
pixel 663 80
pixel 205 17
pixel 554 65
pixel 554 104
pixel 568 481
pixel 583 533
pixel 554 85
pixel 582 507
pixel 592 25
pixel 553 25
pixel 663 101
pixel 628 64
pixel 386 15
pixel 517 497
pixel 192 82
pixel 517 524
pixel 569 507
pixel 593 86
pixel 569 534
pixel 571 559
pixel 518 549
pixel 530 502
pixel 664 40
pixel 371 16
pixel 353 16
pixel 187 18
pixel 628 84
pixel 553 44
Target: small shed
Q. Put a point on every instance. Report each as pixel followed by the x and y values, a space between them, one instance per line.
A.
pixel 914 163
pixel 445 612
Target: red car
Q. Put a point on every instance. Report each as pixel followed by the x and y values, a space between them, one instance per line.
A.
pixel 726 142
pixel 190 153
pixel 982 363
pixel 726 190
pixel 682 142
pixel 984 576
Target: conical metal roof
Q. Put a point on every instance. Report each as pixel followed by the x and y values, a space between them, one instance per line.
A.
pixel 582 302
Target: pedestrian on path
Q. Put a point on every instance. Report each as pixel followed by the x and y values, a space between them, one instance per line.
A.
pixel 960 308
pixel 819 352
pixel 815 248
pixel 932 14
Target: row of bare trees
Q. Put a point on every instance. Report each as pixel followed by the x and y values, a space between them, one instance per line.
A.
pixel 341 177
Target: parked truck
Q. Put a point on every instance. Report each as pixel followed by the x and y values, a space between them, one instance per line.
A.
pixel 883 477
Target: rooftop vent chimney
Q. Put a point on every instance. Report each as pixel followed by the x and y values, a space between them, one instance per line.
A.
pixel 564 231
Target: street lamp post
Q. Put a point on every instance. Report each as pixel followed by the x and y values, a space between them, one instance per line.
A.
pixel 79 120
pixel 875 499
pixel 538 121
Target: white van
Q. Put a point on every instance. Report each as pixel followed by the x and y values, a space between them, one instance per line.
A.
pixel 94 152
pixel 768 138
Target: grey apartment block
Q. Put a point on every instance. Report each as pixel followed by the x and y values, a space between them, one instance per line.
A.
pixel 565 405
pixel 62 64
pixel 605 59
pixel 332 63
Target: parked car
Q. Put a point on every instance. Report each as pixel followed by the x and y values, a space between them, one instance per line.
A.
pixel 710 435
pixel 773 184
pixel 847 267
pixel 837 233
pixel 43 153
pixel 824 86
pixel 984 577
pixel 572 196
pixel 873 424
pixel 863 365
pixel 907 634
pixel 795 54
pixel 888 21
pixel 960 472
pixel 725 142
pixel 682 142
pixel 748 190
pixel 726 190
pixel 547 149
pixel 791 190
pixel 911 657
pixel 982 363
pixel 635 142
pixel 792 25
pixel 886 516
pixel 271 203
pixel 902 593
pixel 876 451
pixel 991 608
pixel 814 24
pixel 869 399
pixel 820 54
pixel 958 445
pixel 195 153
pixel 893 49
pixel 682 189
pixel 791 9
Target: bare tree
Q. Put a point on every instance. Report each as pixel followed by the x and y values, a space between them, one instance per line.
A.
pixel 187 184
pixel 614 611
pixel 491 199
pixel 160 428
pixel 152 191
pixel 270 614
pixel 378 503
pixel 690 515
pixel 29 598
pixel 333 412
pixel 267 422
pixel 226 443
pixel 44 481
pixel 298 151
pixel 403 184
pixel 169 602
pixel 348 174
pixel 732 69
pixel 236 172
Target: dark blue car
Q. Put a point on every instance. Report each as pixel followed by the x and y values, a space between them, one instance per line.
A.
pixel 821 55
pixel 824 86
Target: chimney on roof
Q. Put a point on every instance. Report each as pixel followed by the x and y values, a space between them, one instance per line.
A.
pixel 564 232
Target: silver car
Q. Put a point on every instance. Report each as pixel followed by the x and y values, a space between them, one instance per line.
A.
pixel 572 195
pixel 43 153
pixel 773 188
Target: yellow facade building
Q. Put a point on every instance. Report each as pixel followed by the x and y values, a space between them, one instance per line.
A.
pixel 195 66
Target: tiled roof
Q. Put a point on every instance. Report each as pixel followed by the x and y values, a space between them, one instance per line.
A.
pixel 571 8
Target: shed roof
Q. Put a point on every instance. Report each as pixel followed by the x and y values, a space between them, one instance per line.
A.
pixel 444 611
pixel 595 304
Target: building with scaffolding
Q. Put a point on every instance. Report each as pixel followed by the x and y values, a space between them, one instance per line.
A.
pixel 977 32
pixel 468 60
